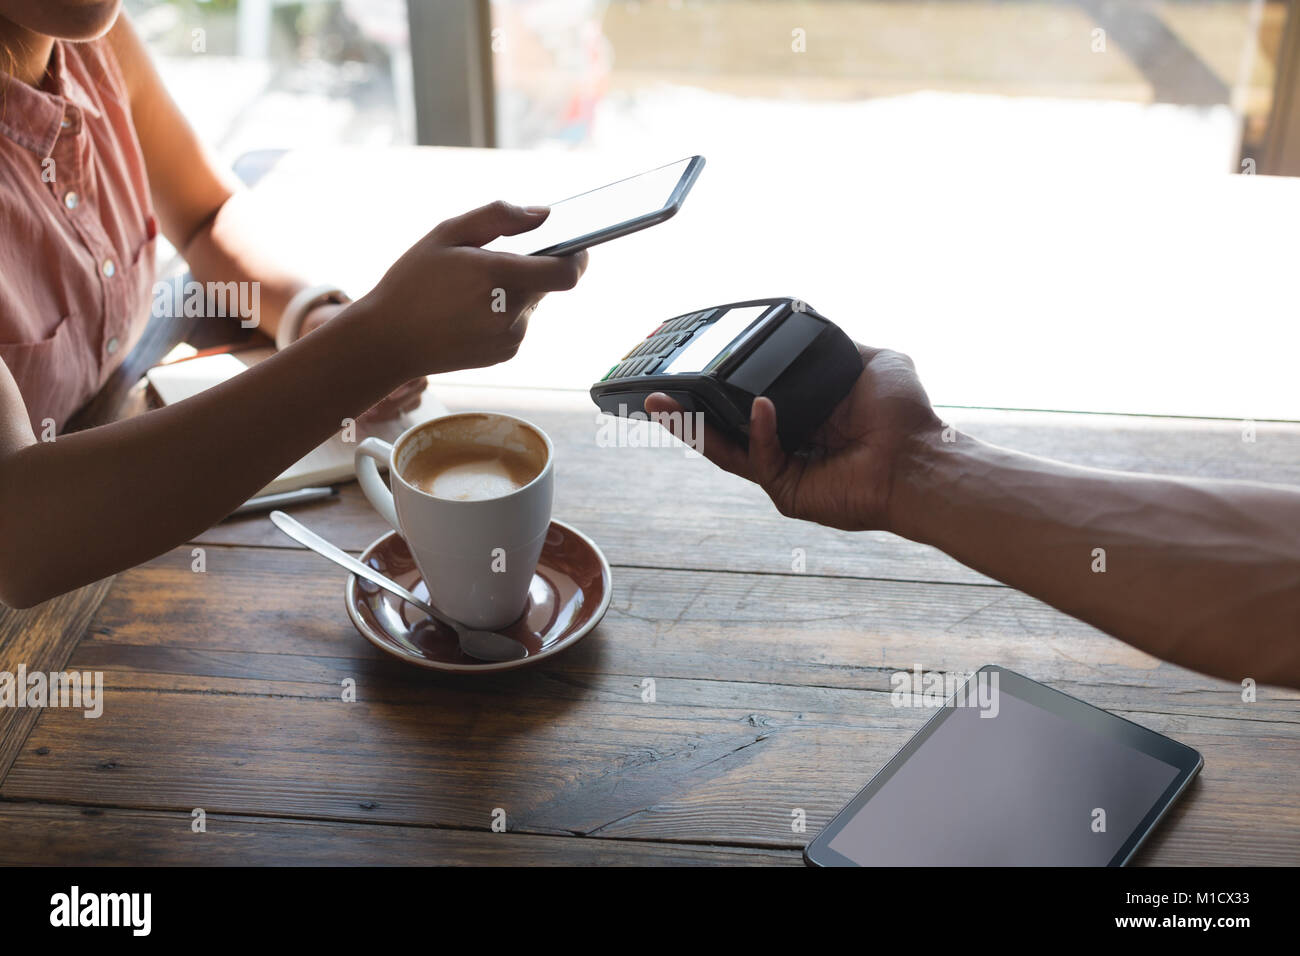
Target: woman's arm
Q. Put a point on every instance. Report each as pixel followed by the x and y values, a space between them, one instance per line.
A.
pixel 200 206
pixel 1202 573
pixel 95 502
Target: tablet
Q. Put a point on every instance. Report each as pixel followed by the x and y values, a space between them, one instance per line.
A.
pixel 600 215
pixel 1009 772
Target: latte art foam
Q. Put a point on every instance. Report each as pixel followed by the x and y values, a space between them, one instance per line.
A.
pixel 472 481
pixel 468 471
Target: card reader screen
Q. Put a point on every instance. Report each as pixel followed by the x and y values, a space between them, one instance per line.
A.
pixel 717 341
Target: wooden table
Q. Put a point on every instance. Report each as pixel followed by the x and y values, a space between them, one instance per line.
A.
pixel 224 688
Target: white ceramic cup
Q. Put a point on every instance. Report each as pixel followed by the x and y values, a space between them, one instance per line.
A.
pixel 477 557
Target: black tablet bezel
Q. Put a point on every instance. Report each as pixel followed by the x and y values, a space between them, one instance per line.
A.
pixel 1187 761
pixel 675 199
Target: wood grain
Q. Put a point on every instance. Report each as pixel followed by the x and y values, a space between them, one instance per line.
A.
pixel 772 695
pixel 40 639
pixel 771 629
pixel 57 835
pixel 599 763
pixel 223 688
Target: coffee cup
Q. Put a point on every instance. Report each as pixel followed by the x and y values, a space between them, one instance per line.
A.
pixel 471 495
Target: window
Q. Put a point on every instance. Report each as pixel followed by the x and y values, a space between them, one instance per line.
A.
pixel 267 74
pixel 1171 84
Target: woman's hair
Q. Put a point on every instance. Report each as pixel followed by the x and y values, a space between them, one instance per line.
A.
pixel 8 61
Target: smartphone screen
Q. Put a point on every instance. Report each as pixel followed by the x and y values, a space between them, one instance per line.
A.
pixel 606 213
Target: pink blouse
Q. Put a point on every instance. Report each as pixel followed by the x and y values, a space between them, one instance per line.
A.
pixel 76 230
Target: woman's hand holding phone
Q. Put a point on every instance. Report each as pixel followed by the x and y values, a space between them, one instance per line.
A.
pixel 449 304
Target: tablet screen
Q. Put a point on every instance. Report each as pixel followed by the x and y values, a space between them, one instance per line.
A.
pixel 1023 786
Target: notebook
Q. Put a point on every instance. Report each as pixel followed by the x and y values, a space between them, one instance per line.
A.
pixel 327 464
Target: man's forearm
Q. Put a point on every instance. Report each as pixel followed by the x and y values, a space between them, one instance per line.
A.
pixel 1202 573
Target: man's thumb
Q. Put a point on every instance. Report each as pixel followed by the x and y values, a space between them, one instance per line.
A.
pixel 766 457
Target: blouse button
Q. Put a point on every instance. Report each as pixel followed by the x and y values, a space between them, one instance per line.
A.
pixel 112 345
pixel 70 199
pixel 109 268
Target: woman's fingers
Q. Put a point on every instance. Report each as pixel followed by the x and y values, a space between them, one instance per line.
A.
pixel 412 402
pixel 381 411
pixel 535 276
pixel 480 226
pixel 413 389
pixel 404 398
pixel 540 273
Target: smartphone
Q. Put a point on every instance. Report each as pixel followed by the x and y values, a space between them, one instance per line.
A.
pixel 600 215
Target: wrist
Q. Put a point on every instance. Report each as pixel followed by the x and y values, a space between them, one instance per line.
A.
pixel 318 315
pixel 372 342
pixel 917 472
pixel 300 306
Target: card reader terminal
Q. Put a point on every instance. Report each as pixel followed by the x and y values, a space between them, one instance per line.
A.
pixel 716 361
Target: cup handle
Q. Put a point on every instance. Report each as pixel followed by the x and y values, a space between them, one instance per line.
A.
pixel 369 454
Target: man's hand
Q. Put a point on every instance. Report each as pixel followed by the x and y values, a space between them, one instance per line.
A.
pixel 1204 573
pixel 847 482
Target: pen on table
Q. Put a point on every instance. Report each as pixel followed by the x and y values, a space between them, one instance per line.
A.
pixel 283 500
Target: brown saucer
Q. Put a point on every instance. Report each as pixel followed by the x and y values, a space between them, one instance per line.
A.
pixel 569 595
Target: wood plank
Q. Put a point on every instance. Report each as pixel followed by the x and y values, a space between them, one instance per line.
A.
pixel 278 615
pixel 40 639
pixel 60 835
pixel 597 764
pixel 765 703
pixel 655 507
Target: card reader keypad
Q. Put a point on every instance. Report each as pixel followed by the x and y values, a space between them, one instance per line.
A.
pixel 659 344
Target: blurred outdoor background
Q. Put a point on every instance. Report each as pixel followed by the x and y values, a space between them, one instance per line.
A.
pixel 1174 84
pixel 1044 202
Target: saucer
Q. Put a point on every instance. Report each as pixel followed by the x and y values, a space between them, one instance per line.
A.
pixel 568 596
